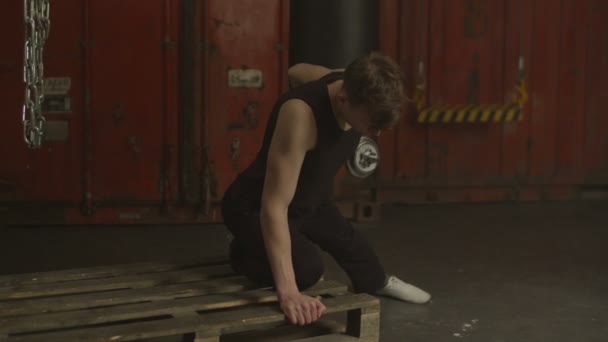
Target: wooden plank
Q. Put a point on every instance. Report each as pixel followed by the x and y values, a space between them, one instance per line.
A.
pixel 329 338
pixel 91 300
pixel 364 323
pixel 115 283
pixel 178 308
pixel 94 272
pixel 242 319
pixel 224 321
pixel 125 332
pixel 324 326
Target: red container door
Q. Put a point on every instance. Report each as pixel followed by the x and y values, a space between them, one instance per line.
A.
pixel 470 50
pixel 596 124
pixel 245 53
pixel 129 91
pixel 52 172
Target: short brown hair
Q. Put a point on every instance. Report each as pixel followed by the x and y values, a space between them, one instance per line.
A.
pixel 376 82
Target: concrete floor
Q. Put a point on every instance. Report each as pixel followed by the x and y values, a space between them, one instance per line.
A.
pixel 497 272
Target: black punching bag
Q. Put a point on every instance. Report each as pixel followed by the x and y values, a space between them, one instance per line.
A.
pixel 332 32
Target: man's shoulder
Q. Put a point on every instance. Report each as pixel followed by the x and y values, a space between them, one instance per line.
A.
pixel 297 112
pixel 297 123
pixel 296 105
pixel 311 95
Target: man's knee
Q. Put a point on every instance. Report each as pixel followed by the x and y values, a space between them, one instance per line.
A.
pixel 308 271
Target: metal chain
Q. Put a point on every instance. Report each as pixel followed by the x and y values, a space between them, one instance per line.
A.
pixel 37 24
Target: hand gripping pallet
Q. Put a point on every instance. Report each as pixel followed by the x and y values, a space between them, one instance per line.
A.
pixel 204 303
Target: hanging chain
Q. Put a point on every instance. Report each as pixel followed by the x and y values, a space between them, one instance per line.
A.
pixel 37 24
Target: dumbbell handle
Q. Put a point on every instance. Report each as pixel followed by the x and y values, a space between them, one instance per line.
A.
pixel 368 158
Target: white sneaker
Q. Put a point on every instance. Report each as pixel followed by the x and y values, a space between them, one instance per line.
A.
pixel 398 289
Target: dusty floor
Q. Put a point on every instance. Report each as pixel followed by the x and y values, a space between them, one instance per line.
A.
pixel 497 272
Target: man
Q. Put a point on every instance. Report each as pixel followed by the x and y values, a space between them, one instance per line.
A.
pixel 279 209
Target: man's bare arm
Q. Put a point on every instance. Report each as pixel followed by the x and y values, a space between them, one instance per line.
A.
pixel 303 73
pixel 294 135
pixel 291 140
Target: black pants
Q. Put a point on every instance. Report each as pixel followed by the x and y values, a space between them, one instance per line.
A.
pixel 326 228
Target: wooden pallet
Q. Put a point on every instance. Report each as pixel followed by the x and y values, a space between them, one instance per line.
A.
pixel 140 301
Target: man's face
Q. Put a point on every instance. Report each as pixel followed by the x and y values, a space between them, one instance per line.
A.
pixel 358 117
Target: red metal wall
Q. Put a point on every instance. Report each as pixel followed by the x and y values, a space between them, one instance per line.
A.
pixel 47 174
pixel 121 58
pixel 470 49
pixel 133 106
pixel 122 161
pixel 595 89
pixel 250 35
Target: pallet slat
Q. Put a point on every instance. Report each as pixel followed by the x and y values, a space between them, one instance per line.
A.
pixel 324 326
pixel 329 338
pixel 177 308
pixel 115 283
pixel 239 320
pixel 127 332
pixel 92 273
pixel 91 300
pixel 148 300
pixel 206 325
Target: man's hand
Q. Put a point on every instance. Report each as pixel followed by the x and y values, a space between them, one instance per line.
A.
pixel 301 309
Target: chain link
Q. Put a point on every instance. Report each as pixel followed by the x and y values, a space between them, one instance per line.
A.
pixel 37 25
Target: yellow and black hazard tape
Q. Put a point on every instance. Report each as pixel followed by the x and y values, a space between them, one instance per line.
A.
pixel 471 113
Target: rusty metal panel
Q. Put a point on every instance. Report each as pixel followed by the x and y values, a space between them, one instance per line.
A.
pixel 544 82
pixel 52 172
pixel 117 142
pixel 518 40
pixel 245 35
pixel 130 115
pixel 120 159
pixel 466 48
pixel 571 93
pixel 470 50
pixel 112 136
pixel 13 152
pixel 461 45
pixel 390 11
pixel 411 139
pixel 596 103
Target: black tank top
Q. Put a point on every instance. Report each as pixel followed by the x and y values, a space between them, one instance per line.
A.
pixel 334 146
